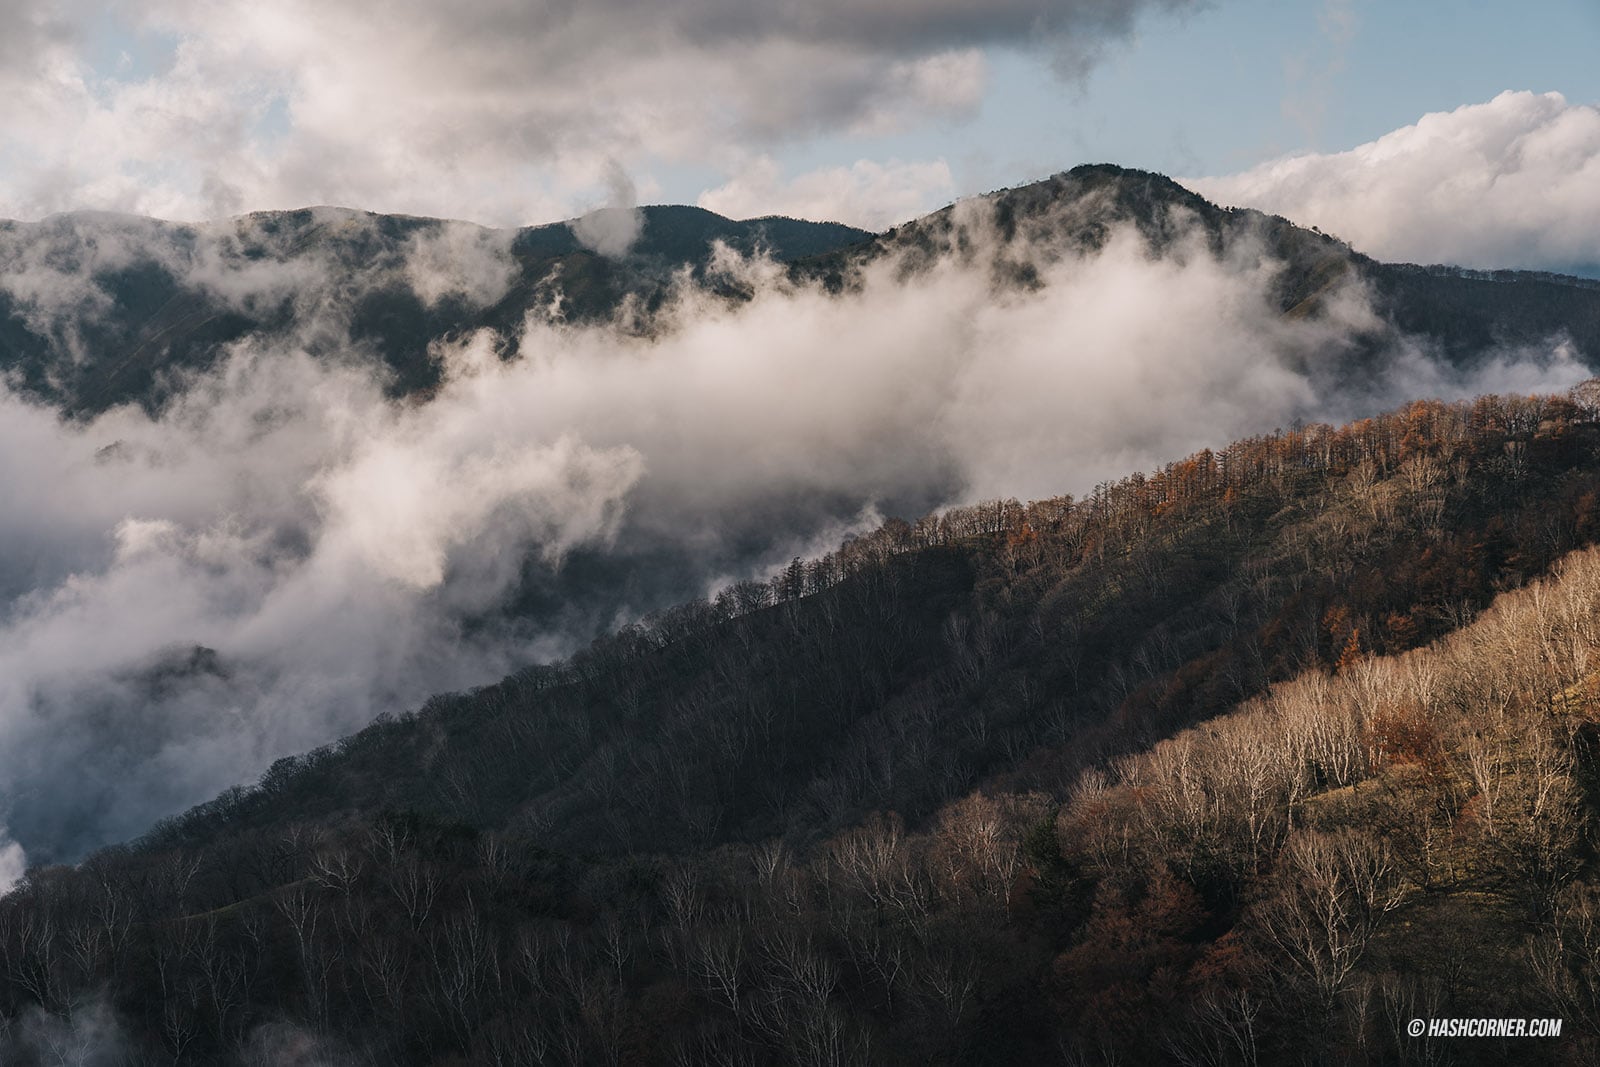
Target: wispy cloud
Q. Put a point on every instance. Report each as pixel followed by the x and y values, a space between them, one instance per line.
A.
pixel 1311 76
pixel 612 228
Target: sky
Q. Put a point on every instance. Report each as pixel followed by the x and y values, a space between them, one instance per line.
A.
pixel 508 113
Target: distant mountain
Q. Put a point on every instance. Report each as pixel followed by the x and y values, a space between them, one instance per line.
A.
pixel 1467 314
pixel 98 309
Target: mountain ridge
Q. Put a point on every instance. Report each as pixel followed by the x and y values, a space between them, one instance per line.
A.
pixel 1465 312
pixel 168 297
pixel 160 326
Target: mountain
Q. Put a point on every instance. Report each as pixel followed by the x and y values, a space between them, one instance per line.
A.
pixel 1467 314
pixel 99 309
pixel 1254 757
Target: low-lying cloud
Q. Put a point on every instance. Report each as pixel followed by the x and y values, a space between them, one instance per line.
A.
pixel 13 862
pixel 1514 182
pixel 461 260
pixel 86 1035
pixel 284 551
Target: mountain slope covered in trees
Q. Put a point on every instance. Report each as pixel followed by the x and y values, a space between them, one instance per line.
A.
pixel 1223 763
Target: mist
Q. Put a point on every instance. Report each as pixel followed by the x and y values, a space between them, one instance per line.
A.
pixel 284 550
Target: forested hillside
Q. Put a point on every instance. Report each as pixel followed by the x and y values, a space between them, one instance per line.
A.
pixel 1221 763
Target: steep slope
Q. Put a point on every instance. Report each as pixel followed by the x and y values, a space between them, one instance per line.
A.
pixel 892 806
pixel 1116 619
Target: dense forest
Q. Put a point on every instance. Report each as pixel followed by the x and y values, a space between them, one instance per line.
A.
pixel 1250 759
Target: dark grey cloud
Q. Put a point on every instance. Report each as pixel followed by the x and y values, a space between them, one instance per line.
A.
pixel 32 32
pixel 894 27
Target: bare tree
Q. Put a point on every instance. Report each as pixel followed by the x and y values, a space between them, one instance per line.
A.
pixel 1334 891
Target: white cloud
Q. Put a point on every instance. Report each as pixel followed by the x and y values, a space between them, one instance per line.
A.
pixel 462 260
pixel 501 113
pixel 13 863
pixel 1514 182
pixel 613 228
pixel 871 195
